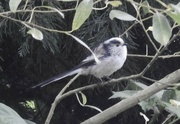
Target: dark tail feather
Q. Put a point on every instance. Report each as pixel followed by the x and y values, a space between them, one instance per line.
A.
pixel 56 78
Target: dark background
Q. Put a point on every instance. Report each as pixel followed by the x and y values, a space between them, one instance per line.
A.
pixel 27 62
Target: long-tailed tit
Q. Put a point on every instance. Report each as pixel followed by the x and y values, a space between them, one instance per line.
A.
pixel 112 54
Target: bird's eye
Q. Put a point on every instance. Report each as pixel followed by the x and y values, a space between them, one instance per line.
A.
pixel 117 45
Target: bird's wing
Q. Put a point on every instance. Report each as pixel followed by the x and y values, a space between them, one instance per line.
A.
pixel 100 52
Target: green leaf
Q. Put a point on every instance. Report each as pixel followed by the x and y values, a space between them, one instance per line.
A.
pixel 160 94
pixel 147 105
pixel 136 85
pixel 13 5
pixel 66 0
pixel 161 29
pixel 150 104
pixel 84 99
pixel 175 14
pixel 121 15
pixel 140 85
pixel 30 104
pixel 172 109
pixel 168 94
pixel 29 122
pixel 83 11
pixel 177 94
pixel 123 94
pixel 9 116
pixel 145 8
pixel 174 102
pixel 114 3
pixel 36 34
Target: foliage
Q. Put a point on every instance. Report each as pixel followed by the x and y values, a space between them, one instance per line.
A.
pixel 40 38
pixel 9 116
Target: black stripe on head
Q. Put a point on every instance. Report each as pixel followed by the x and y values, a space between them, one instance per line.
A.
pixel 105 46
pixel 116 42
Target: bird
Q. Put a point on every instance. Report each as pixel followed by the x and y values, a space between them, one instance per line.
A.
pixel 112 55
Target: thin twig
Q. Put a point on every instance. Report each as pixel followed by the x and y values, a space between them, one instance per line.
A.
pixel 173 122
pixel 128 29
pixel 37 11
pixel 168 117
pixel 150 56
pixel 56 101
pixel 147 33
pixel 88 106
pixel 142 5
pixel 100 84
pixel 149 79
pixel 34 25
pixel 141 23
pixel 159 52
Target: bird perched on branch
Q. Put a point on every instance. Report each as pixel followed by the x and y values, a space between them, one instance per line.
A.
pixel 111 53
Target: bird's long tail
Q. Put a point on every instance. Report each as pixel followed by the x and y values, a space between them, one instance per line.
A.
pixel 57 77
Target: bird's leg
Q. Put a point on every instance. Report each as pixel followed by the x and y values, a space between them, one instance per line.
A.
pixel 106 78
pixel 101 79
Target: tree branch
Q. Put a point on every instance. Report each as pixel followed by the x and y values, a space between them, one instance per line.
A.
pixel 150 56
pixel 54 104
pixel 135 99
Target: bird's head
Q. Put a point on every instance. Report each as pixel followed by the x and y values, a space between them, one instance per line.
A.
pixel 115 46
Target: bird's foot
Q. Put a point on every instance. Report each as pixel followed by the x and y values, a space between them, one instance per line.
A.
pixel 104 79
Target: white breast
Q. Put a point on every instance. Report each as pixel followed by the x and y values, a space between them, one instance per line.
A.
pixel 107 67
